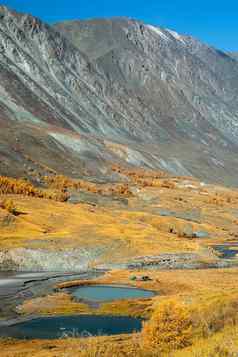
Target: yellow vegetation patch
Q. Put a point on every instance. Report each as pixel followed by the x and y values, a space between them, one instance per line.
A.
pixel 122 233
pixel 9 185
pixel 170 327
pixel 61 182
pixel 177 282
pixel 221 344
pixel 55 304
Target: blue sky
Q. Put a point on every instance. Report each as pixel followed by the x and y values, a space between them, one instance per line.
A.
pixel 213 21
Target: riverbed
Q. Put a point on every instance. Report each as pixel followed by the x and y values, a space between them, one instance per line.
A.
pixel 15 287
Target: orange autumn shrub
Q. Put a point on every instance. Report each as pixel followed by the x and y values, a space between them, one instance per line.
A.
pixel 221 199
pixel 9 185
pixel 138 173
pixel 168 184
pixel 145 178
pixel 169 328
pixel 61 182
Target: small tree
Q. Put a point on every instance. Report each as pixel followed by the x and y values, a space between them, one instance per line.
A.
pixel 169 328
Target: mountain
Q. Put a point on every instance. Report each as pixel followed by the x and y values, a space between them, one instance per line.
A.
pixel 79 96
pixel 234 54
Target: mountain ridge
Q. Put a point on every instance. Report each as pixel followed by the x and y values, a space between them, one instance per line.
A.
pixel 160 99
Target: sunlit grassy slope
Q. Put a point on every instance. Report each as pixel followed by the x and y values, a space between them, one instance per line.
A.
pixel 136 228
pixel 153 215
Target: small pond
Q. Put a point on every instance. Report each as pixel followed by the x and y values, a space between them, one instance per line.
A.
pixel 99 293
pixel 227 250
pixel 72 326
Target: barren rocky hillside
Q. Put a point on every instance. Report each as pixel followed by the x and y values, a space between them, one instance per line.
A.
pixel 79 96
pixel 234 55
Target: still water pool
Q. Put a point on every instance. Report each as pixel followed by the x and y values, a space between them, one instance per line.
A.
pixel 72 326
pixel 108 293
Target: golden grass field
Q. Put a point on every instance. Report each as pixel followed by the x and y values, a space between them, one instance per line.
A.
pixel 128 231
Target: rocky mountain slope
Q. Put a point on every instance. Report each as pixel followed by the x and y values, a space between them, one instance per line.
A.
pixel 79 96
pixel 234 55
